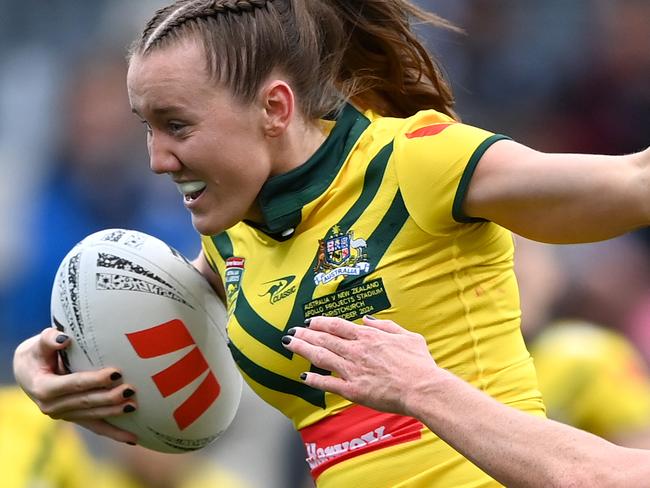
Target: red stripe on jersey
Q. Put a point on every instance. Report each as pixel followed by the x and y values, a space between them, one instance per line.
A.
pixel 429 130
pixel 354 431
pixel 181 373
pixel 161 339
pixel 198 402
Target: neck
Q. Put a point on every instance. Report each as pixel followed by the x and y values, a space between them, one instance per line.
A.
pixel 299 142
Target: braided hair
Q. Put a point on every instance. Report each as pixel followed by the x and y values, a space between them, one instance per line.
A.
pixel 329 50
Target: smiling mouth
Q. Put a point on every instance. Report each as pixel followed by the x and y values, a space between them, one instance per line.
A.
pixel 190 197
pixel 191 190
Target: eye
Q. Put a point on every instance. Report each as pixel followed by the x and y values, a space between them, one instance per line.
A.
pixel 175 128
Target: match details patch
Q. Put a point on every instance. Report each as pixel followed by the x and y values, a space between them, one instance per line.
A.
pixel 350 303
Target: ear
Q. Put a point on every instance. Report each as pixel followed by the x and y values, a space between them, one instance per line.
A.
pixel 279 105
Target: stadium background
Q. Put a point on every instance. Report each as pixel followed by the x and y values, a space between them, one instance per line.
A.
pixel 556 75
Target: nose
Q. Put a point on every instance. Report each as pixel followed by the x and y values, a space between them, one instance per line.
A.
pixel 161 157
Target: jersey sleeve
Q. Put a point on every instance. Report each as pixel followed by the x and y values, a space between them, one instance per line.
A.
pixel 435 158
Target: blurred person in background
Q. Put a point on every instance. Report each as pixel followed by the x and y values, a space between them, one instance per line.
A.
pixel 591 377
pixel 595 379
pixel 98 179
pixel 124 466
pixel 36 451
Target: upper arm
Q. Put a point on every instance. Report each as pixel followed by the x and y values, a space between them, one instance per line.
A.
pixel 559 197
pixel 434 162
pixel 201 264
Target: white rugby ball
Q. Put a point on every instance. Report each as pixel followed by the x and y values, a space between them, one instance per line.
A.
pixel 130 301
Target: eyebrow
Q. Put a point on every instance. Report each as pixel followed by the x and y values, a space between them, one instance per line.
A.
pixel 164 110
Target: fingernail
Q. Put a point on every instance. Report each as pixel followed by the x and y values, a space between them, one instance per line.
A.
pixel 61 338
pixel 128 409
pixel 116 376
pixel 303 376
pixel 131 443
pixel 128 393
pixel 370 317
pixel 307 322
pixel 291 331
pixel 286 339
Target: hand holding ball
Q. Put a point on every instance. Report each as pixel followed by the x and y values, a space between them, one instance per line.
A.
pixel 130 301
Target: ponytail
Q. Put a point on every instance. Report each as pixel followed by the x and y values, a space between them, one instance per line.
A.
pixel 384 66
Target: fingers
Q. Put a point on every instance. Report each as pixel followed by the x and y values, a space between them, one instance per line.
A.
pixel 102 427
pixel 385 325
pixel 318 348
pixel 326 340
pixel 93 404
pixel 350 330
pixel 83 397
pixel 335 326
pixel 54 385
pixel 326 383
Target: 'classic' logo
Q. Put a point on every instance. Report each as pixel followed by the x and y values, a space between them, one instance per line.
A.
pixel 279 289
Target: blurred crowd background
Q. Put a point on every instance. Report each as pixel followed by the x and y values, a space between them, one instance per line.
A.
pixel 555 75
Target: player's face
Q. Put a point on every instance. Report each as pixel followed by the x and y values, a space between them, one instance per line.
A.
pixel 212 145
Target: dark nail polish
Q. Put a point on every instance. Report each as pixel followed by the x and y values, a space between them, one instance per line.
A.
pixel 303 376
pixel 61 338
pixel 128 409
pixel 128 393
pixel 131 443
pixel 307 322
pixel 286 339
pixel 116 376
pixel 291 331
pixel 370 317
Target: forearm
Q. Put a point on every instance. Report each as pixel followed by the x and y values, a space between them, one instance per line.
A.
pixel 519 449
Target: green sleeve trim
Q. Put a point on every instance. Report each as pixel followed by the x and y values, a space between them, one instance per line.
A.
pixel 457 210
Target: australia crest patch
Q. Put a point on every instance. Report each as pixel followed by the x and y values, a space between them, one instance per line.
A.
pixel 340 254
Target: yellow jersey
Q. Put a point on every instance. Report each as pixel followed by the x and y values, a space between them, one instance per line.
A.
pixel 592 378
pixel 36 451
pixel 373 224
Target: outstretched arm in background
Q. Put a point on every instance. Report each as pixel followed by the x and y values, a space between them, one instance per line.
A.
pixel 517 449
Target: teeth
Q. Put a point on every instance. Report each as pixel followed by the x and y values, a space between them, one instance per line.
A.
pixel 191 187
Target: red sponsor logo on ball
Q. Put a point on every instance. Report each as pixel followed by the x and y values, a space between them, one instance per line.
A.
pixel 170 337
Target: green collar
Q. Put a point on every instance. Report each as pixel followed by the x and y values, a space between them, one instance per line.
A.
pixel 283 196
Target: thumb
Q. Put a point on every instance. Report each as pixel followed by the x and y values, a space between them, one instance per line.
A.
pixel 51 343
pixel 52 339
